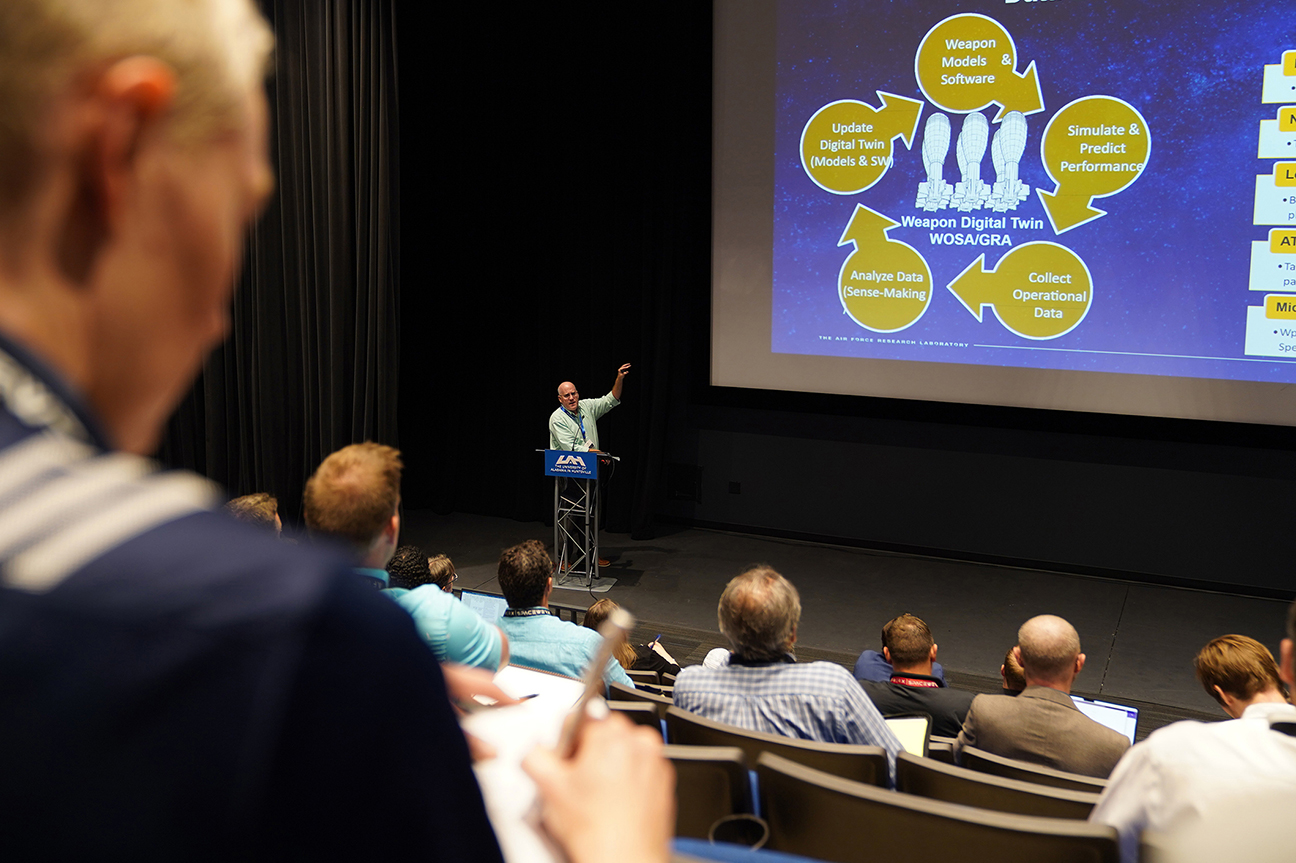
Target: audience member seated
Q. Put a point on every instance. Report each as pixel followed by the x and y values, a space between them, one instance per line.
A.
pixel 1011 672
pixel 443 572
pixel 872 665
pixel 1042 725
pixel 257 508
pixel 1164 782
pixel 717 657
pixel 410 567
pixel 175 685
pixel 537 638
pixel 353 497
pixel 763 688
pixel 913 688
pixel 623 651
pixel 647 657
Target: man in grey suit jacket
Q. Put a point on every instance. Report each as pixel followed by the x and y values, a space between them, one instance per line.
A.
pixel 1042 725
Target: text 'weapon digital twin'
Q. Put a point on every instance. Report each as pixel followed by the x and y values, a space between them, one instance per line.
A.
pixel 1094 147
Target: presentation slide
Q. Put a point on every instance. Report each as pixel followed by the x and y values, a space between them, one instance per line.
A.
pixel 1055 185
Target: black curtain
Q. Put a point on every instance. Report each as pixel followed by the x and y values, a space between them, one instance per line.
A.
pixel 312 360
pixel 557 194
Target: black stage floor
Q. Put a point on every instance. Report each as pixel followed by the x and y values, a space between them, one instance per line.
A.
pixel 1139 639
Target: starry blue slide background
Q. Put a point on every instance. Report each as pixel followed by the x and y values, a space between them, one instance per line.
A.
pixel 1170 261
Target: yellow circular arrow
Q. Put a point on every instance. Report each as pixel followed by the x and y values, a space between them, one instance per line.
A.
pixel 968 62
pixel 885 285
pixel 847 146
pixel 1039 290
pixel 1094 147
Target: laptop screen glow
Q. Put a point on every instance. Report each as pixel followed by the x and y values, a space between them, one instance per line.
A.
pixel 487 605
pixel 1117 717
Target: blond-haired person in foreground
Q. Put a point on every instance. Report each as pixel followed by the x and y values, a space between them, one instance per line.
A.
pixel 173 684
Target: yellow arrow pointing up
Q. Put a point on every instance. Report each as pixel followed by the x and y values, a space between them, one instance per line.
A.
pixel 884 285
pixel 866 227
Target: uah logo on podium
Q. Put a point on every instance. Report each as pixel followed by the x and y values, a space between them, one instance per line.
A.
pixel 581 465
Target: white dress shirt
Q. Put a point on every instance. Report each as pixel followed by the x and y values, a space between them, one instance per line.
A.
pixel 1168 780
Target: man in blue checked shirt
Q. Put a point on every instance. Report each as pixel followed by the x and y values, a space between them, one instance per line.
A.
pixel 763 688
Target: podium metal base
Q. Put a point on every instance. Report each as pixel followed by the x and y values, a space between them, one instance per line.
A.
pixel 576 581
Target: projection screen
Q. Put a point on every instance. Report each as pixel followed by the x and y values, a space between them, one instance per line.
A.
pixel 1054 204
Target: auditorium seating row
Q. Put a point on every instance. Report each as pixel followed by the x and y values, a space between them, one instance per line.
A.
pixel 651 679
pixel 821 800
pixel 816 814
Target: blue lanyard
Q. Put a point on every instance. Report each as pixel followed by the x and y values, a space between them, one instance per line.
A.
pixel 579 419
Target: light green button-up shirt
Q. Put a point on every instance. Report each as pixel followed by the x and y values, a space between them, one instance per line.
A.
pixel 565 432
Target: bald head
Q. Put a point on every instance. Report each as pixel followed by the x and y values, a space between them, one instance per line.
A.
pixel 1049 650
pixel 567 396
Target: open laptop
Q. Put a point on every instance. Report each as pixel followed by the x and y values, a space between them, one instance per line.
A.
pixel 1117 717
pixel 487 605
